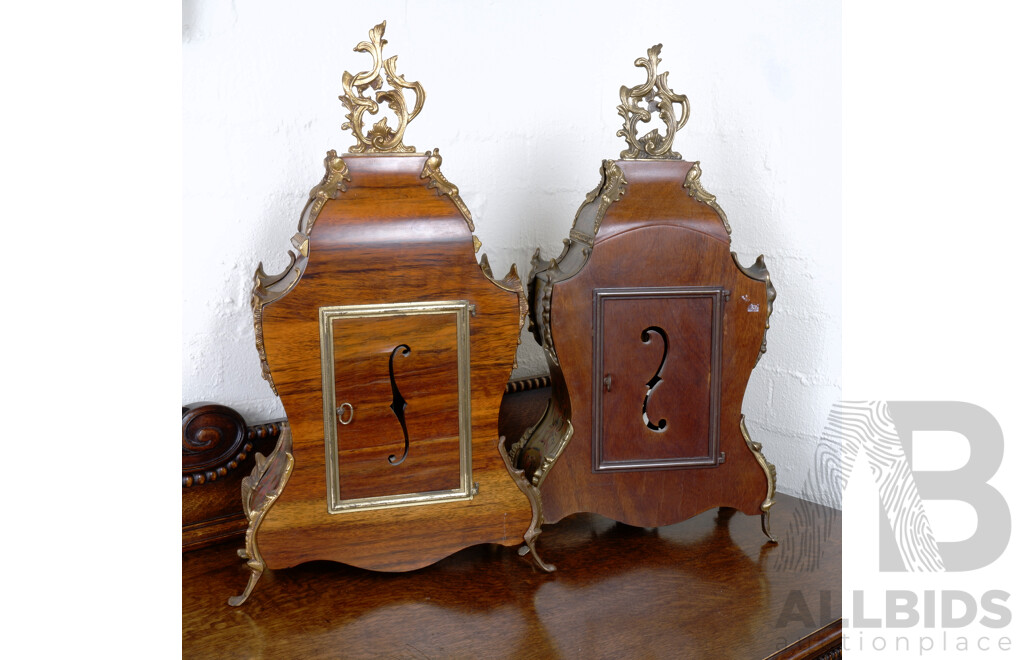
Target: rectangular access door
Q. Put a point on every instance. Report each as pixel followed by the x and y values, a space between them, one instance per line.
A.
pixel 396 398
pixel 657 377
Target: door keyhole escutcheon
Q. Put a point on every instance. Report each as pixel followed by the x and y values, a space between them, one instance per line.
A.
pixel 342 409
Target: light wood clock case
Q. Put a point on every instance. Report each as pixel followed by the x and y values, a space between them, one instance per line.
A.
pixel 651 328
pixel 390 347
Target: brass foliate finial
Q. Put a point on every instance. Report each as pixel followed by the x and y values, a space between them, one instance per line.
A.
pixel 652 145
pixel 381 137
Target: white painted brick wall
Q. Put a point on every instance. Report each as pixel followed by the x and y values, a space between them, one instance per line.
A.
pixel 521 101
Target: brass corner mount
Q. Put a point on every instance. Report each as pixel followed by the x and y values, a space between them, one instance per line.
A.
pixel 381 138
pixel 658 96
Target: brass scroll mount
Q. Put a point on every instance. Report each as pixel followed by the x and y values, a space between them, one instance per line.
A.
pixel 381 138
pixel 658 96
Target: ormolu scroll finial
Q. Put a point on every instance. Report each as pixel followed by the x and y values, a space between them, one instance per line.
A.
pixel 381 137
pixel 652 145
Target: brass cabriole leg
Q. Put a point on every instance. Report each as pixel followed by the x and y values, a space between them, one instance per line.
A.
pixel 530 539
pixel 257 571
pixel 769 472
pixel 533 494
pixel 275 469
pixel 766 525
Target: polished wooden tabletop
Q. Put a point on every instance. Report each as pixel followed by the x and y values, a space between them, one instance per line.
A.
pixel 710 587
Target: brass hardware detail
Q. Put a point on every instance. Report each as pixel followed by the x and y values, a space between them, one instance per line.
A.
pixel 552 424
pixel 532 493
pixel 268 288
pixel 577 235
pixel 758 271
pixel 332 185
pixel 513 283
pixel 769 471
pixel 328 315
pixel 265 290
pixel 547 341
pixel 610 190
pixel 432 170
pixel 516 448
pixel 652 145
pixel 561 442
pixel 255 511
pixel 575 252
pixel 476 244
pixel 695 190
pixel 613 191
pixel 341 413
pixel 381 138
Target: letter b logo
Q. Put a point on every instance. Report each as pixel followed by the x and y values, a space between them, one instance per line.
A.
pixel 967 484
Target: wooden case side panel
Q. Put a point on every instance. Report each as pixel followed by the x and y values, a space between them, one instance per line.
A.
pixel 389 239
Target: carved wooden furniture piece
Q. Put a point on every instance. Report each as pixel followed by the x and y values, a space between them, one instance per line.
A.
pixel 390 347
pixel 217 450
pixel 651 328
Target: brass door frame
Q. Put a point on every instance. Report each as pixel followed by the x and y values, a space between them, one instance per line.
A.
pixel 467 489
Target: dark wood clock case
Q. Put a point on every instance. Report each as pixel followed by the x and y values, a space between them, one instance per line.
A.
pixel 651 328
pixel 390 347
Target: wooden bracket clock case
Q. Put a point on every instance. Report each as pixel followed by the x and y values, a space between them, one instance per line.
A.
pixel 651 328
pixel 390 347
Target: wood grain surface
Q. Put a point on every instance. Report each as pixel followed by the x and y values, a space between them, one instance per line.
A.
pixel 669 339
pixel 709 587
pixel 390 239
pixel 371 444
pixel 211 511
pixel 218 451
pixel 656 235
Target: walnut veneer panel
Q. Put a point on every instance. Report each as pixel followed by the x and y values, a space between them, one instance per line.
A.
pixel 386 239
pixel 708 588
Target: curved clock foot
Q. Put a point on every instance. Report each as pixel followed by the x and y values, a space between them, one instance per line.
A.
pixel 766 526
pixel 529 547
pixel 274 470
pixel 254 576
pixel 532 493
